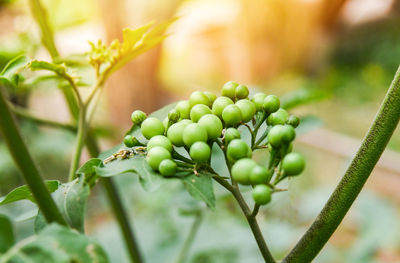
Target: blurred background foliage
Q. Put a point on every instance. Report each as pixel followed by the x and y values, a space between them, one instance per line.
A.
pixel 332 59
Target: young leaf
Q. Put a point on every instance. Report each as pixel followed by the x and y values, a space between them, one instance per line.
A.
pixel 59 69
pixel 71 199
pixel 56 244
pixel 23 192
pixel 6 234
pixel 201 188
pixel 10 76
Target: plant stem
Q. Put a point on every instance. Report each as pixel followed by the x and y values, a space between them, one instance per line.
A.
pixel 80 140
pixel 190 238
pixel 255 210
pixel 24 161
pixel 123 221
pixel 353 180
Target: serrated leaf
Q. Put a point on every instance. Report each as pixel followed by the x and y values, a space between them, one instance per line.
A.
pixel 23 193
pixel 149 179
pixel 56 244
pixel 6 234
pixel 71 200
pixel 201 188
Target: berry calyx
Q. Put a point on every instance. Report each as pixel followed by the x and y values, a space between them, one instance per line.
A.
pixel 138 117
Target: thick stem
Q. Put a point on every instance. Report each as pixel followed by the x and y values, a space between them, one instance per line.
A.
pixel 122 218
pixel 190 238
pixel 80 140
pixel 353 180
pixel 22 158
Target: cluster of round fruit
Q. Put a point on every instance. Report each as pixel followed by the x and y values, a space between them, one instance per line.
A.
pixel 197 123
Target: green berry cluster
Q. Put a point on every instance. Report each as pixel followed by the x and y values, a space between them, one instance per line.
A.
pixel 204 119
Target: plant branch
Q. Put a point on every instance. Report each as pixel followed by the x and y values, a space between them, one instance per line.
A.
pixel 255 210
pixel 353 180
pixel 190 238
pixel 24 161
pixel 80 140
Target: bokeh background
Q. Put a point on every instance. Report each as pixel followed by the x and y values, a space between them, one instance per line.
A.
pixel 337 57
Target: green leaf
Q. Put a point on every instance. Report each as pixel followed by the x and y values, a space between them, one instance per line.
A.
pixel 302 96
pixel 59 69
pixel 149 179
pixel 23 193
pixel 201 188
pixel 71 199
pixel 10 76
pixel 56 244
pixel 6 234
pixel 89 171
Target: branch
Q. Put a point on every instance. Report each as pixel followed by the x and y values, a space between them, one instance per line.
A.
pixel 353 180
pixel 23 160
pixel 190 238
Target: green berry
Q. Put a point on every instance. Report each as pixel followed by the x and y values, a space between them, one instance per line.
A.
pixel 199 97
pixel 138 117
pixel 241 170
pixel 271 104
pixel 229 89
pixel 156 155
pixel 260 175
pixel 238 149
pixel 247 109
pixel 278 117
pixel 212 124
pixel 231 115
pixel 183 107
pixel 293 120
pixel 175 132
pixel 200 152
pixel 231 134
pixel 152 127
pixel 130 141
pixel 220 104
pixel 258 100
pixel 199 111
pixel 275 136
pixel 167 167
pixel 241 92
pixel 211 96
pixel 194 133
pixel 262 194
pixel 288 133
pixel 174 115
pixel 160 140
pixel 293 164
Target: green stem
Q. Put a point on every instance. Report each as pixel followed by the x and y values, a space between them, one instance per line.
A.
pixel 22 158
pixel 190 238
pixel 353 180
pixel 80 140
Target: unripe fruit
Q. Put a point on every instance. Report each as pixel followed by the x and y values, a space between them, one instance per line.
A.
pixel 130 141
pixel 241 170
pixel 194 133
pixel 199 97
pixel 241 92
pixel 288 133
pixel 167 167
pixel 231 115
pixel 247 109
pixel 212 124
pixel 220 104
pixel 231 134
pixel 174 115
pixel 165 122
pixel 200 152
pixel 260 175
pixel 138 117
pixel 175 132
pixel 278 117
pixel 275 136
pixel 238 149
pixel 229 90
pixel 293 164
pixel 160 140
pixel 152 127
pixel 183 107
pixel 199 111
pixel 271 104
pixel 258 100
pixel 293 120
pixel 262 194
pixel 156 155
pixel 211 96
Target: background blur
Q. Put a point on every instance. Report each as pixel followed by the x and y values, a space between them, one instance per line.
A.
pixel 339 56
